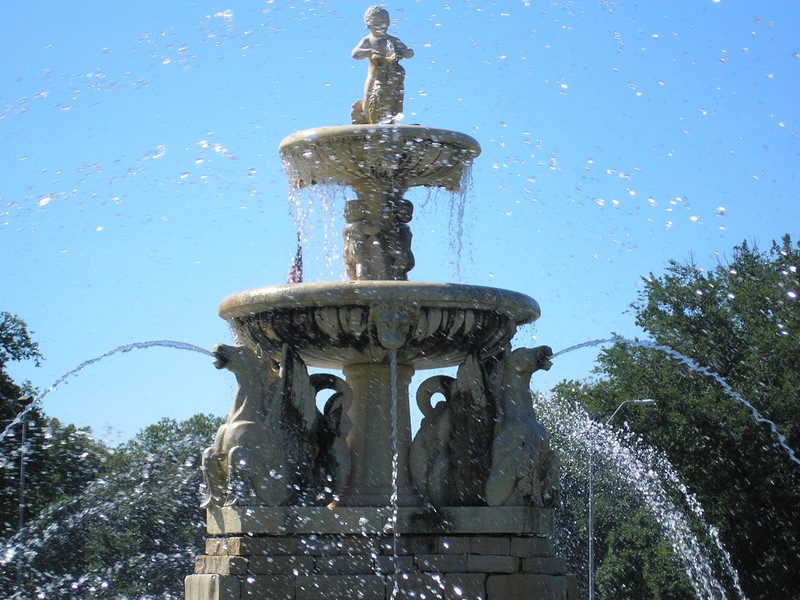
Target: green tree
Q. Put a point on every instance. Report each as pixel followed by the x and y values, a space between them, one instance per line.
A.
pixel 634 555
pixel 133 532
pixel 638 562
pixel 99 522
pixel 15 345
pixel 59 459
pixel 741 320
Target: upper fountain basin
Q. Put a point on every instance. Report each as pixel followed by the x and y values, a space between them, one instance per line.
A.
pixel 332 324
pixel 406 155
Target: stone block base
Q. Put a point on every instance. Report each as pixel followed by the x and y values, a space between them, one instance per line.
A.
pixel 380 567
pixel 462 553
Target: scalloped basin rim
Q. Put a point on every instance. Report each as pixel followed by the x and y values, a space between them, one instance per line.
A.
pixel 389 131
pixel 520 308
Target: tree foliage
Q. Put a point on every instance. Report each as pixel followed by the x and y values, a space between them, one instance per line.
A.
pixel 15 345
pixel 741 320
pixel 99 522
pixel 132 531
pixel 59 459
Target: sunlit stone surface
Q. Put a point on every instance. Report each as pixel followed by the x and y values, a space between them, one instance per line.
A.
pixel 342 502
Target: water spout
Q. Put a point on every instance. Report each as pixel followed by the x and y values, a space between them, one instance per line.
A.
pixel 119 349
pixel 695 367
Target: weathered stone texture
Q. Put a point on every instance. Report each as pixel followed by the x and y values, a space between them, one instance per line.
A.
pixel 351 587
pixel 352 567
pixel 212 587
pixel 526 587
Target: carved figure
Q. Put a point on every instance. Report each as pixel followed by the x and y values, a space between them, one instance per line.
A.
pixel 429 457
pixel 275 448
pixel 483 445
pixel 449 457
pixel 384 87
pixel 332 463
pixel 393 322
pixel 378 246
pixel 524 468
pixel 236 467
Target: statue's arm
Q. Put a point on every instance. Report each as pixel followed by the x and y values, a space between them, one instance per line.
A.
pixel 401 49
pixel 363 50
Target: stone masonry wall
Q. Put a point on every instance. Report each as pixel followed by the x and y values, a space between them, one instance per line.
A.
pixel 353 566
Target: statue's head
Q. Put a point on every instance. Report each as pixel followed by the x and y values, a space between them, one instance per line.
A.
pixel 376 18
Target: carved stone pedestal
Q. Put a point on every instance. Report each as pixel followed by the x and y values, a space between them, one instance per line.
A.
pixel 348 552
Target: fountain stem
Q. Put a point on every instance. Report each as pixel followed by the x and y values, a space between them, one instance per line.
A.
pixel 377 237
pixel 371 472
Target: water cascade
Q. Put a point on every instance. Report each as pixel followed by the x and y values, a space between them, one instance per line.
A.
pixel 653 478
pixel 342 502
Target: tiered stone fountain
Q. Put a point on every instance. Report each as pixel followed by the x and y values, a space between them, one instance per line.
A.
pixel 343 503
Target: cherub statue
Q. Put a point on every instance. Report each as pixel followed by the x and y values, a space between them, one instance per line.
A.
pixel 383 90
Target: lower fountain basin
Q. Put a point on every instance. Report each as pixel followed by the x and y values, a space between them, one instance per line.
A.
pixel 332 324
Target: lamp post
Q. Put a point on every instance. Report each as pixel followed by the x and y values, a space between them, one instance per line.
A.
pixel 640 402
pixel 25 401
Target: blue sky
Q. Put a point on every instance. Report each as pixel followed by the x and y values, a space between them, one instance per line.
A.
pixel 140 182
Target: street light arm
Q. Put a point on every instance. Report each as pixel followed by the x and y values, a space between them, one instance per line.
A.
pixel 641 402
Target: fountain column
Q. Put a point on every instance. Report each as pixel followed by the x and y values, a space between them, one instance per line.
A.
pixel 371 478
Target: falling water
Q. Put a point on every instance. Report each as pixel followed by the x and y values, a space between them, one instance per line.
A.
pixel 696 368
pixel 91 361
pixel 456 203
pixel 644 468
pixel 95 508
pixel 395 468
pixel 317 206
